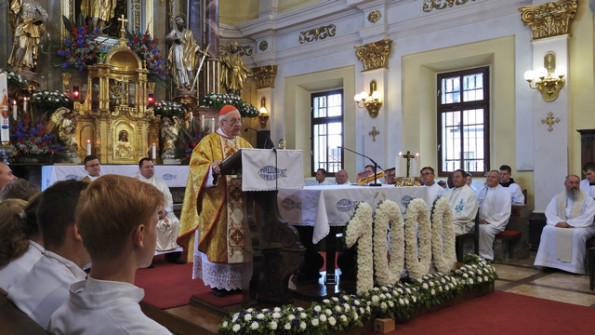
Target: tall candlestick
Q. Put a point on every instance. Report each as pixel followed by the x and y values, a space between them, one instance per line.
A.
pixel 153 151
pixel 88 147
pixel 14 110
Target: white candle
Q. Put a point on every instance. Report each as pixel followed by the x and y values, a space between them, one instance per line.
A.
pixel 88 147
pixel 153 151
pixel 202 123
pixel 14 110
pixel 414 165
pixel 397 165
pixel 191 116
pixel 25 104
pixel 212 124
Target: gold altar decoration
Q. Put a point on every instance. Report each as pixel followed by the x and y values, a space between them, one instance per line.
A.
pixel 264 76
pixel 441 4
pixel 114 117
pixel 374 16
pixel 372 101
pixel 550 120
pixel 549 19
pixel 318 33
pixel 374 55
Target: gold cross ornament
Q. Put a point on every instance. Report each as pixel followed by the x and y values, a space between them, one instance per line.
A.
pixel 550 120
pixel 374 133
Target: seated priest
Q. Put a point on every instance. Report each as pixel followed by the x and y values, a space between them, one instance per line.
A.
pixel 494 213
pixel 463 202
pixel 167 227
pixel 390 177
pixel 569 225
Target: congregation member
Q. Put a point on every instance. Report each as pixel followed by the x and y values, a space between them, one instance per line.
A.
pixel 43 289
pixel 93 168
pixel 368 171
pixel 321 177
pixel 116 218
pixel 569 225
pixel 20 266
pixel 6 175
pixel 19 189
pixel 426 176
pixel 390 176
pixel 463 202
pixel 13 239
pixel 341 177
pixel 587 185
pixel 516 194
pixel 207 223
pixel 167 228
pixel 494 213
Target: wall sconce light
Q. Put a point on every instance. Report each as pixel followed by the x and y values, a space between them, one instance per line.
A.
pixel 371 101
pixel 263 113
pixel 545 79
pixel 150 100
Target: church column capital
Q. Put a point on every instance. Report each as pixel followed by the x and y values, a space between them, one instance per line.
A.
pixel 374 55
pixel 549 19
pixel 264 76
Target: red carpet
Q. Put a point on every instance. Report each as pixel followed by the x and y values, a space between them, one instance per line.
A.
pixel 503 313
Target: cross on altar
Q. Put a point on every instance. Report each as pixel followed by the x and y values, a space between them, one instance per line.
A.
pixel 124 21
pixel 408 156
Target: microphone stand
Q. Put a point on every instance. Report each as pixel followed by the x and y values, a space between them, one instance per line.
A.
pixel 376 166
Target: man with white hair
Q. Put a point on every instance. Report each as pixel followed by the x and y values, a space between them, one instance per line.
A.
pixel 494 212
pixel 569 226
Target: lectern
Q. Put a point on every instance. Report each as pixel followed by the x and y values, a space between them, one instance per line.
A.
pixel 276 245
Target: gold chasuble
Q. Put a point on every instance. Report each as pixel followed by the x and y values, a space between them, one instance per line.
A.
pixel 219 212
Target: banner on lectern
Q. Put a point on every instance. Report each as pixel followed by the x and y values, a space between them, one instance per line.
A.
pixel 268 169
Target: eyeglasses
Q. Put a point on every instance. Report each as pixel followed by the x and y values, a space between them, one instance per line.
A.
pixel 234 121
pixel 426 173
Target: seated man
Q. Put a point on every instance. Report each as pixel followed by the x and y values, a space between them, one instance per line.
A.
pixel 390 176
pixel 494 212
pixel 116 218
pixel 93 168
pixel 321 177
pixel 342 178
pixel 427 179
pixel 41 291
pixel 463 202
pixel 569 225
pixel 167 228
pixel 516 194
pixel 368 171
pixel 588 184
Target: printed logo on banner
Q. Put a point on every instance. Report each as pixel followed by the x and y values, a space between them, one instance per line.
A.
pixel 168 176
pixel 290 204
pixel 72 176
pixel 345 205
pixel 406 200
pixel 270 173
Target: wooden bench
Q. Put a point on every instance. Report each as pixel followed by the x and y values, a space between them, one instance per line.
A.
pixel 513 242
pixel 15 322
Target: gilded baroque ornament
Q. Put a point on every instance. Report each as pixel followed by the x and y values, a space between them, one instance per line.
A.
pixel 374 55
pixel 441 4
pixel 264 76
pixel 319 33
pixel 549 19
pixel 374 16
pixel 550 120
pixel 263 45
pixel 374 133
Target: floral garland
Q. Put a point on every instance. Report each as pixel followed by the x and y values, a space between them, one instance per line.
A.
pixel 218 100
pixel 14 80
pixel 170 109
pixel 359 229
pixel 50 100
pixel 443 236
pixel 339 314
pixel 417 212
pixel 388 212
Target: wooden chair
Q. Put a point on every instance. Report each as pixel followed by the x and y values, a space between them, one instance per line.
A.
pixel 591 262
pixel 509 238
pixel 15 322
pixel 461 239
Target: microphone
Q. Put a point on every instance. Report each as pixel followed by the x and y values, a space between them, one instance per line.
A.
pixel 376 166
pixel 267 138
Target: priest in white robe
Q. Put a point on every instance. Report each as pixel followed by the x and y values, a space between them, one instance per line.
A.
pixel 494 213
pixel 463 202
pixel 588 184
pixel 427 178
pixel 569 226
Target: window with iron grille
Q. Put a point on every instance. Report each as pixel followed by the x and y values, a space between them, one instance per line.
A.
pixel 327 131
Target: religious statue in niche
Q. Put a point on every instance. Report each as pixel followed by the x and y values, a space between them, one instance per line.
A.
pixel 233 71
pixel 123 147
pixel 182 54
pixel 27 19
pixel 169 135
pixel 103 14
pixel 63 123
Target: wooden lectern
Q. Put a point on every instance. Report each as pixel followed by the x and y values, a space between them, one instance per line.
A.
pixel 276 245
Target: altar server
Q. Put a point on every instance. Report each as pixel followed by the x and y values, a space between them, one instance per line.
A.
pixel 463 202
pixel 494 213
pixel 588 184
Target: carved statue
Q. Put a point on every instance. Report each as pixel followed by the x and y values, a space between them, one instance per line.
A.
pixel 123 147
pixel 99 11
pixel 233 70
pixel 63 123
pixel 26 19
pixel 169 136
pixel 182 54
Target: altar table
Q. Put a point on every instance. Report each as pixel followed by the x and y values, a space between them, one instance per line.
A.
pixel 324 207
pixel 174 175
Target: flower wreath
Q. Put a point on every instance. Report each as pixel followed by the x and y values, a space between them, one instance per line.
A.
pixel 359 229
pixel 443 236
pixel 417 212
pixel 388 212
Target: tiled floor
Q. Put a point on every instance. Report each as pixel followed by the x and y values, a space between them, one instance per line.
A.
pixel 521 277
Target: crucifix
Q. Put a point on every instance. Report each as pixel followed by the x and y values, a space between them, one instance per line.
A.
pixel 408 156
pixel 123 21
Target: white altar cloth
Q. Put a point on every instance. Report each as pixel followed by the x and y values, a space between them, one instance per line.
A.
pixel 333 205
pixel 174 175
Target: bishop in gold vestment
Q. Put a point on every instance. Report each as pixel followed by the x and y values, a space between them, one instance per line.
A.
pixel 213 218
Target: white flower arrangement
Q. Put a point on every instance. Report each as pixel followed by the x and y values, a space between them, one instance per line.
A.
pixel 345 311
pixel 359 229
pixel 417 226
pixel 443 236
pixel 14 80
pixel 388 214
pixel 50 100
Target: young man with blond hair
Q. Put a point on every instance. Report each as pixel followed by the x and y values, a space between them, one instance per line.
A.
pixel 117 218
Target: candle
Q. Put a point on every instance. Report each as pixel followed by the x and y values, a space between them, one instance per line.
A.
pixel 212 124
pixel 25 104
pixel 88 147
pixel 397 161
pixel 414 165
pixel 14 109
pixel 202 122
pixel 153 151
pixel 191 116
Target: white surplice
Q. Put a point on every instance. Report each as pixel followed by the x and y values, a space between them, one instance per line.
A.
pixel 16 269
pixel 463 202
pixel 494 208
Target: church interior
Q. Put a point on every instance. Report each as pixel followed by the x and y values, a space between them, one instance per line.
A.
pixel 447 84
